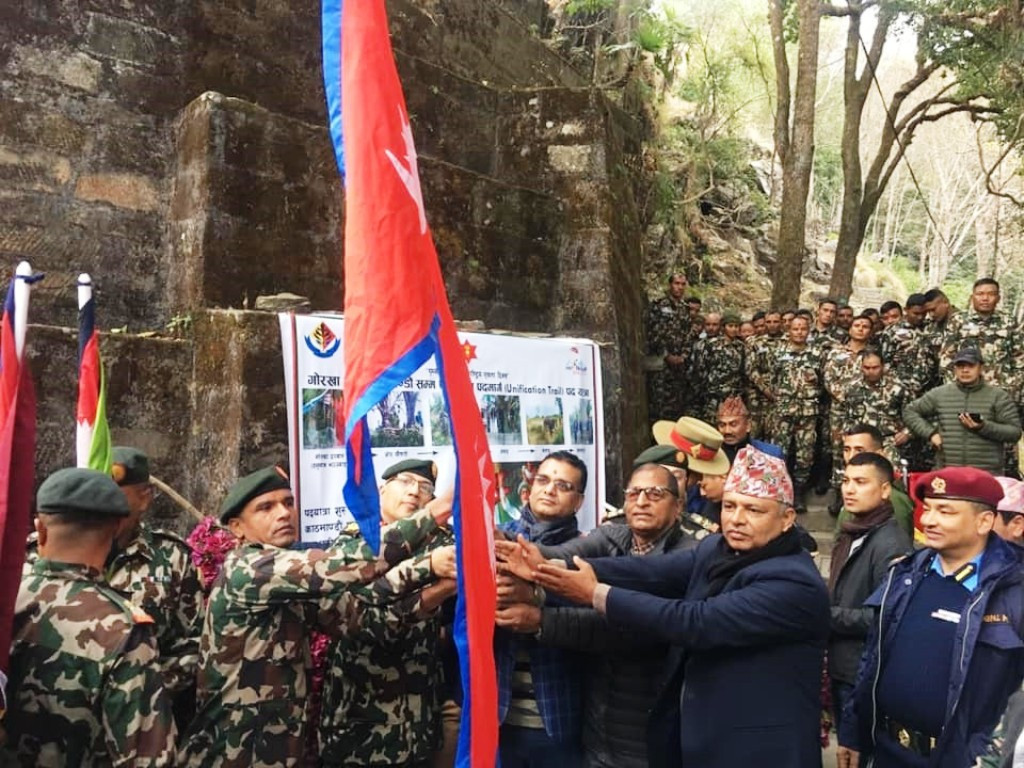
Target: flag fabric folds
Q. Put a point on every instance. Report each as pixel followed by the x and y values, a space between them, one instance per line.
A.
pixel 17 450
pixel 396 318
pixel 92 435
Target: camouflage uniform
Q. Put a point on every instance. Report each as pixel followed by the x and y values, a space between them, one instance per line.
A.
pixel 667 330
pixel 1001 343
pixel 880 405
pixel 797 384
pixel 255 647
pixel 907 355
pixel 717 373
pixel 156 571
pixel 824 342
pixel 842 370
pixel 85 688
pixel 758 368
pixel 384 682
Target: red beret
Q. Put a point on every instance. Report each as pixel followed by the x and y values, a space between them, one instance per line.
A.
pixel 961 483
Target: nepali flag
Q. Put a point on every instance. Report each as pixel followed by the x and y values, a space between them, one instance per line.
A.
pixel 17 450
pixel 396 318
pixel 92 437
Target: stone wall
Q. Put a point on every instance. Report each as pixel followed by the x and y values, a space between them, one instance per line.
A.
pixel 177 151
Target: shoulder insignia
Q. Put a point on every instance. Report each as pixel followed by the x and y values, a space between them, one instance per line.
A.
pixel 139 616
pixel 170 536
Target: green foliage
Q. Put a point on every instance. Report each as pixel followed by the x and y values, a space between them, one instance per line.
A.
pixel 828 176
pixel 574 7
pixel 982 43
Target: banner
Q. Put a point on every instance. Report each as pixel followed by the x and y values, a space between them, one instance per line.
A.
pixel 535 395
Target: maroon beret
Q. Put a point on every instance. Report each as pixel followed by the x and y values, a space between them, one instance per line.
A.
pixel 961 483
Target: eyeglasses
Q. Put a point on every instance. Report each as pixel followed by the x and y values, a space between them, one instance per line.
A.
pixel 423 487
pixel 562 486
pixel 654 493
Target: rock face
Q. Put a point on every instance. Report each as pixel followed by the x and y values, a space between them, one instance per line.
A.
pixel 178 153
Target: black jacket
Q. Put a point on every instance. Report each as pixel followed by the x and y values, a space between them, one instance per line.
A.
pixel 744 683
pixel 625 669
pixel 860 577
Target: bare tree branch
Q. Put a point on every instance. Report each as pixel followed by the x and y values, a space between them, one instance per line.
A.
pixel 1006 151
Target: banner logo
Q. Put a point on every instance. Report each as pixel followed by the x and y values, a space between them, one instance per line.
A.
pixel 322 342
pixel 576 364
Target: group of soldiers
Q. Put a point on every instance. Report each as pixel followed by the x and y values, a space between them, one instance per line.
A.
pixel 807 376
pixel 121 657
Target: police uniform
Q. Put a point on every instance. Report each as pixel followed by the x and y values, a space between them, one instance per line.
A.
pixel 945 650
pixel 85 687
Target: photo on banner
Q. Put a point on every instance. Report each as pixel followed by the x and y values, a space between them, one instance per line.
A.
pixel 536 395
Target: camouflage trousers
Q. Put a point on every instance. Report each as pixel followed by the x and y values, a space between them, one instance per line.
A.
pixel 665 395
pixel 796 435
pixel 757 407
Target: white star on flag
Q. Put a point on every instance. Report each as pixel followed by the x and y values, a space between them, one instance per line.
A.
pixel 410 176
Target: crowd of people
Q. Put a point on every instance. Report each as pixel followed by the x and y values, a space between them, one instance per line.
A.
pixel 918 372
pixel 691 628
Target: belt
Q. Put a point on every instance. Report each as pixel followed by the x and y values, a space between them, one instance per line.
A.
pixel 919 743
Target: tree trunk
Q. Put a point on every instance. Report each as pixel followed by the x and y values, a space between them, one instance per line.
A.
pixel 798 163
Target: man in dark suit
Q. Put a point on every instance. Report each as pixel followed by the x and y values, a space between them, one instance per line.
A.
pixel 747 614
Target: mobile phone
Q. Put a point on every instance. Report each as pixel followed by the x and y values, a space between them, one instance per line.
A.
pixel 976 417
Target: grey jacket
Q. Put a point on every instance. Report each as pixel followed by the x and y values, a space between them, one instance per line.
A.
pixel 938 411
pixel 861 574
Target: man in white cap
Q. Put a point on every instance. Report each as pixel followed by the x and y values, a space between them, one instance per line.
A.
pixel 746 611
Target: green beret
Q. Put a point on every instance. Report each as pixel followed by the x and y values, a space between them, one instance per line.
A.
pixel 130 466
pixel 85 492
pixel 422 467
pixel 668 455
pixel 731 318
pixel 249 487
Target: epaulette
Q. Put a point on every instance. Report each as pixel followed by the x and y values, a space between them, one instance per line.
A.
pixel 170 536
pixel 139 616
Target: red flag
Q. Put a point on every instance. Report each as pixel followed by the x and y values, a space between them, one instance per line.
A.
pixel 17 451
pixel 397 317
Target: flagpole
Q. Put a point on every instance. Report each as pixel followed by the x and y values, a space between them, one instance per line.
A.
pixel 22 291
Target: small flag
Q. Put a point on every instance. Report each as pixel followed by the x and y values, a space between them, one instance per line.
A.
pixel 92 437
pixel 396 318
pixel 17 449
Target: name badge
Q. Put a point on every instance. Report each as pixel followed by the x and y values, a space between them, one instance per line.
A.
pixel 943 615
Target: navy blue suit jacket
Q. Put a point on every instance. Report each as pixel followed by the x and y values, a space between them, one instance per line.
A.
pixel 745 687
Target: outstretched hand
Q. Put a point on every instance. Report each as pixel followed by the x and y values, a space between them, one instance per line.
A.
pixel 577 586
pixel 518 558
pixel 441 508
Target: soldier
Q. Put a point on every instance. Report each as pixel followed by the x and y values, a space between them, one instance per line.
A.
pixel 905 350
pixel 667 330
pixel 796 394
pixel 891 313
pixel 996 334
pixel 757 371
pixel 758 322
pixel 717 369
pixel 842 369
pixel 255 643
pixel 844 319
pixel 384 683
pixel 939 310
pixel 824 337
pixel 85 687
pixel 824 330
pixel 876 399
pixel 155 569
